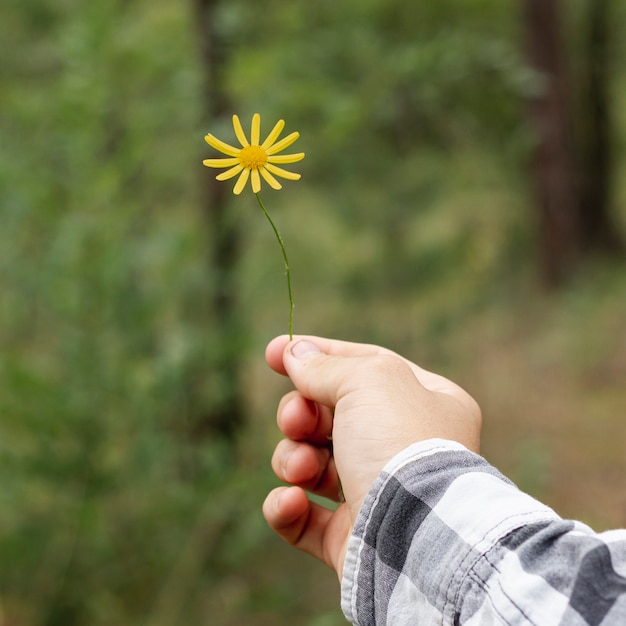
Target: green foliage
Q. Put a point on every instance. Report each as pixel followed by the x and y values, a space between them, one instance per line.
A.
pixel 380 79
pixel 410 223
pixel 105 342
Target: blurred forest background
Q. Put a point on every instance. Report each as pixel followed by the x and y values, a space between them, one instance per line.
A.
pixel 463 201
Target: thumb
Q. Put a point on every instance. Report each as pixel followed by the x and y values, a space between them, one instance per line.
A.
pixel 327 378
pixel 317 376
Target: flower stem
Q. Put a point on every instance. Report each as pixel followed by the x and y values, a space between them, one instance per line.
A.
pixel 282 247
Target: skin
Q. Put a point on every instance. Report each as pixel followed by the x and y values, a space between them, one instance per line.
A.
pixel 372 403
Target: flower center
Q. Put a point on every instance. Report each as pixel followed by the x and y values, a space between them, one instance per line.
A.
pixel 252 157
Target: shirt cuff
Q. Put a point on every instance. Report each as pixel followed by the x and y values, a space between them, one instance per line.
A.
pixel 353 557
pixel 474 507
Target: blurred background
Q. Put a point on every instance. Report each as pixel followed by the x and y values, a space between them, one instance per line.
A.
pixel 463 201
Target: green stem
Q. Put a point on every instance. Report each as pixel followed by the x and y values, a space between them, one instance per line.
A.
pixel 282 247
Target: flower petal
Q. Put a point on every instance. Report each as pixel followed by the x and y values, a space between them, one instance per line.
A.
pixel 243 140
pixel 255 132
pixel 283 143
pixel 279 171
pixel 220 162
pixel 221 146
pixel 273 136
pixel 255 179
pixel 286 158
pixel 241 183
pixel 272 182
pixel 233 171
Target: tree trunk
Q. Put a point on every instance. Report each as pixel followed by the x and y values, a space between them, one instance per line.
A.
pixel 598 232
pixel 554 168
pixel 226 416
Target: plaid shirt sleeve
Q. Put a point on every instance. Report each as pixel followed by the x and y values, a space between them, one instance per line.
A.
pixel 444 538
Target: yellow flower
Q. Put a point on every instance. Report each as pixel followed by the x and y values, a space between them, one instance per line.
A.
pixel 255 159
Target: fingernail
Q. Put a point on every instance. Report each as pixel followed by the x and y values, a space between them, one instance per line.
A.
pixel 304 349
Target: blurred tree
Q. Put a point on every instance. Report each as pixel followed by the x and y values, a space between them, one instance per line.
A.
pixel 599 232
pixel 224 417
pixel 554 167
pixel 572 165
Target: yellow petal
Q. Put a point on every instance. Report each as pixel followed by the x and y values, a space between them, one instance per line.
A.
pixel 243 140
pixel 255 132
pixel 286 158
pixel 220 162
pixel 221 146
pixel 283 143
pixel 279 171
pixel 273 136
pixel 233 171
pixel 273 183
pixel 255 179
pixel 241 183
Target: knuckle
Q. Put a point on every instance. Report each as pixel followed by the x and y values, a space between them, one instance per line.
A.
pixel 388 367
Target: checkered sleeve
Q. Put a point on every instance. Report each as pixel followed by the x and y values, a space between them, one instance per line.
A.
pixel 444 538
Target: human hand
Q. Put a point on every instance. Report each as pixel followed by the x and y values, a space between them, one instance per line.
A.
pixel 372 404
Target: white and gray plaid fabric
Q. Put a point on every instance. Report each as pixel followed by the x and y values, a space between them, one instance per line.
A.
pixel 444 538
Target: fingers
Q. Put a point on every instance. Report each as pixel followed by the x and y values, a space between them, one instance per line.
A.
pixel 301 419
pixel 299 522
pixel 305 458
pixel 307 525
pixel 310 467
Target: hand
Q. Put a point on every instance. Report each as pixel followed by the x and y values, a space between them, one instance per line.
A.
pixel 370 403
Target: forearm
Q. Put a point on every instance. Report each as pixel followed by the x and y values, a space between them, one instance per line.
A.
pixel 443 538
